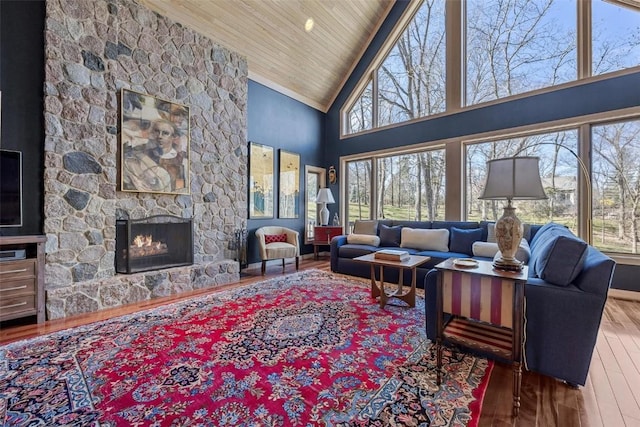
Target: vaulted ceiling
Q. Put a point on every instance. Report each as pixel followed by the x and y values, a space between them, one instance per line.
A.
pixel 309 65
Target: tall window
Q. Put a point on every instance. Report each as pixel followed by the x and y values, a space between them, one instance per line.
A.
pixel 510 47
pixel 358 195
pixel 411 186
pixel 616 187
pixel 558 171
pixel 361 114
pixel 616 37
pixel 515 46
pixel 412 78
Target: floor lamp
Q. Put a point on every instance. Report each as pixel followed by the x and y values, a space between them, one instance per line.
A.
pixel 324 197
pixel 511 178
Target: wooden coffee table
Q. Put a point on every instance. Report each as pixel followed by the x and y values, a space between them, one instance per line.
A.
pixel 377 289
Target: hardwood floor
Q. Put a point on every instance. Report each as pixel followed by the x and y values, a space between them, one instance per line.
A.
pixel 611 396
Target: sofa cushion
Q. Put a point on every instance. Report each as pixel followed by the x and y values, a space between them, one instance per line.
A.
pixel 491 250
pixel 425 239
pixel 353 251
pixel 363 239
pixel 368 226
pixel 390 236
pixel 462 239
pixel 560 260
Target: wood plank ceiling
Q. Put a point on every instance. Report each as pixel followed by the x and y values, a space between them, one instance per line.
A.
pixel 308 66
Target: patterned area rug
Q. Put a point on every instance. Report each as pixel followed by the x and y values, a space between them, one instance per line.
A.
pixel 307 349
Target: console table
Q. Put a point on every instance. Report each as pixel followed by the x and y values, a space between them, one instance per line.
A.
pixel 22 277
pixel 487 308
pixel 322 235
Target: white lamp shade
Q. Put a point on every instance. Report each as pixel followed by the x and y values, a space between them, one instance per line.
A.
pixel 513 178
pixel 325 196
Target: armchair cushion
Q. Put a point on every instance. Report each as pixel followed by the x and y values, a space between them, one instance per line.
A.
pixel 271 238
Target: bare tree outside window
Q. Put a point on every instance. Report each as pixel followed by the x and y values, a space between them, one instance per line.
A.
pixel 616 37
pixel 514 46
pixel 412 79
pixel 616 176
pixel 411 186
pixel 358 194
pixel 361 115
pixel 558 171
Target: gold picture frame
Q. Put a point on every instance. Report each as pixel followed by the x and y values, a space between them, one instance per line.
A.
pixel 261 176
pixel 154 144
pixel 288 184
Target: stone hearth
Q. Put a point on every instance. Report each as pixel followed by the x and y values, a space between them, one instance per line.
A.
pixel 94 48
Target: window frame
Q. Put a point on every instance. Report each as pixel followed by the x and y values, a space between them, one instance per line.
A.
pixel 455 16
pixel 455 166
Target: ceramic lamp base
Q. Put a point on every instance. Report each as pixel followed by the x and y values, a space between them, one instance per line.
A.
pixel 508 236
pixel 324 215
pixel 507 265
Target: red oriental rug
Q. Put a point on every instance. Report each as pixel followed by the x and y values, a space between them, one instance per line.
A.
pixel 307 349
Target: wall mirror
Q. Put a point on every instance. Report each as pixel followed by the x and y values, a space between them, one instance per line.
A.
pixel 314 178
pixel 260 181
pixel 289 185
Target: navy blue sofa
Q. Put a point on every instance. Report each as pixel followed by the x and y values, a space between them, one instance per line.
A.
pixel 565 293
pixel 342 252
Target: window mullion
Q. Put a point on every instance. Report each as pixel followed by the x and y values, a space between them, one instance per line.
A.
pixel 454 55
pixel 374 99
pixel 584 39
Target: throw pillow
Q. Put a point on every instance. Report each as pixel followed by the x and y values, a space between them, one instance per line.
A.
pixel 390 236
pixel 436 239
pixel 485 249
pixel 522 254
pixel 363 239
pixel 366 227
pixel 560 260
pixel 462 239
pixel 491 232
pixel 272 238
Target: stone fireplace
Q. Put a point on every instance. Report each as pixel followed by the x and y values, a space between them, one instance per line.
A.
pixel 154 243
pixel 93 49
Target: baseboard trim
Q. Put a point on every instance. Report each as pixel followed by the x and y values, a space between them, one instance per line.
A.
pixel 623 294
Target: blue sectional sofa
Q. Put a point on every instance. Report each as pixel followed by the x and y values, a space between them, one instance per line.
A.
pixel 565 293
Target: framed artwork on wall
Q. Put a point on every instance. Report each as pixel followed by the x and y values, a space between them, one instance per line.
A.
pixel 154 145
pixel 288 184
pixel 260 181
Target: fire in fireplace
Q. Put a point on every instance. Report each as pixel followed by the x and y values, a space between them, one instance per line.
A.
pixel 153 243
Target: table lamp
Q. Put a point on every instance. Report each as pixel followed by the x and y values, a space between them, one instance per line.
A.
pixel 324 197
pixel 511 178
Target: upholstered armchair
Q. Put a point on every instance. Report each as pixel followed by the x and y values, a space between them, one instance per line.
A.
pixel 277 242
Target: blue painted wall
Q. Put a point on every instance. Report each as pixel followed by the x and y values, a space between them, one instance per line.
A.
pixel 281 122
pixel 21 82
pixel 596 97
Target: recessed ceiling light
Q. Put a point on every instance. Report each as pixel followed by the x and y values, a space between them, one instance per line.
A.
pixel 308 26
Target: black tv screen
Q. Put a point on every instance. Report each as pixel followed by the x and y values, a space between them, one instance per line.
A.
pixel 10 188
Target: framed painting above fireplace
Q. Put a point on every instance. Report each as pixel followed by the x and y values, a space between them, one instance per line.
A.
pixel 154 145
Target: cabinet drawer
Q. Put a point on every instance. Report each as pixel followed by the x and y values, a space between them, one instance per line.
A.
pixel 17 287
pixel 9 306
pixel 11 270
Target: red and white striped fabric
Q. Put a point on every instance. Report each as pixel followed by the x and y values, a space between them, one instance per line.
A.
pixel 488 299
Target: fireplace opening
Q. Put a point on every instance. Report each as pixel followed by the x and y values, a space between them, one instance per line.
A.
pixel 153 243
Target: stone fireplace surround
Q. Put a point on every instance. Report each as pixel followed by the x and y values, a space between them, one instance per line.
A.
pixel 93 48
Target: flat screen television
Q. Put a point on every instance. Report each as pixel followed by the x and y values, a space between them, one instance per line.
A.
pixel 10 188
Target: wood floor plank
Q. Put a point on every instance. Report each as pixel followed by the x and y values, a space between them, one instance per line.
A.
pixel 609 398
